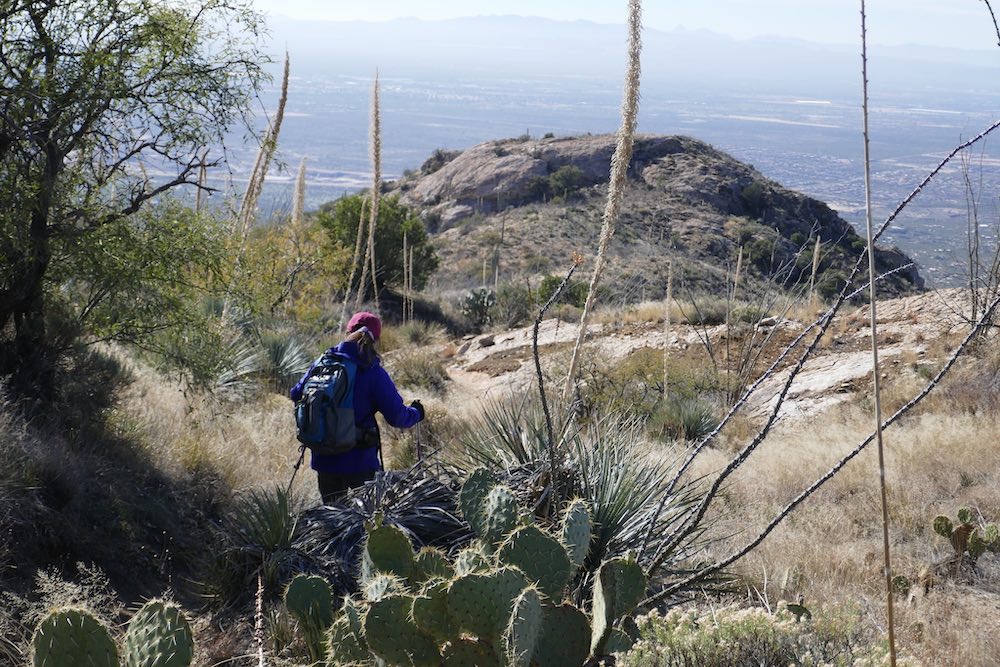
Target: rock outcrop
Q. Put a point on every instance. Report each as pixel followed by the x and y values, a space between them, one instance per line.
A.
pixel 523 206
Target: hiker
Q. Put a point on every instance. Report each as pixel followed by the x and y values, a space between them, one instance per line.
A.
pixel 374 392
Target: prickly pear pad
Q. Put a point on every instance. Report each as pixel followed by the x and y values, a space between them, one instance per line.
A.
pixel 393 636
pixel 72 638
pixel 541 558
pixel 481 604
pixel 576 532
pixel 618 588
pixel 159 636
pixel 472 499
pixel 430 611
pixel 387 550
pixel 501 515
pixel 565 637
pixel 522 632
pixel 310 599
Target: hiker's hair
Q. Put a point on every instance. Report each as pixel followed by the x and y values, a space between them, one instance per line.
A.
pixel 366 345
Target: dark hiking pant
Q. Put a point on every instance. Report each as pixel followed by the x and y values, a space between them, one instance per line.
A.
pixel 333 486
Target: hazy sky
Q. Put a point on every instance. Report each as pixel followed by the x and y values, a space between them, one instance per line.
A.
pixel 955 23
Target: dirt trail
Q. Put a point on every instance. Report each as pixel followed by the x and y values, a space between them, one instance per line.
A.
pixel 498 364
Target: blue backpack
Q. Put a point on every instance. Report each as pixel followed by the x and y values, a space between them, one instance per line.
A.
pixel 324 415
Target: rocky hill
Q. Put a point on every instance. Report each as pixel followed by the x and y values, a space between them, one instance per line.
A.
pixel 518 209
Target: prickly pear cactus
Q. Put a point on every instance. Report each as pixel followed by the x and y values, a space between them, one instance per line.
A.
pixel 564 640
pixel 159 636
pixel 541 558
pixel 382 585
pixel 965 515
pixel 942 526
pixel 343 646
pixel 524 628
pixel 310 599
pixel 430 611
pixel 481 604
pixel 470 560
pixel 991 535
pixel 470 653
pixel 431 563
pixel 501 515
pixel 394 637
pixel 576 532
pixel 472 499
pixel 72 638
pixel 618 588
pixel 387 550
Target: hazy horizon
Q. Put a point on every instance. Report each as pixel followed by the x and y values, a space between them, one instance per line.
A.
pixel 965 25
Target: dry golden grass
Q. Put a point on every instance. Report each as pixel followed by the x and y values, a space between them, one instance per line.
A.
pixel 245 445
pixel 829 550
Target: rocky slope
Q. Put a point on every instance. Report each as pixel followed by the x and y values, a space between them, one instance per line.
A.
pixel 519 208
pixel 913 331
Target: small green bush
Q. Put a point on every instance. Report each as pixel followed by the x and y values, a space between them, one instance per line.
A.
pixel 515 305
pixel 736 637
pixel 418 368
pixel 682 418
pixel 415 332
pixel 478 305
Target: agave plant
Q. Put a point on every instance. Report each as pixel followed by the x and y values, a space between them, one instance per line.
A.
pixel 420 504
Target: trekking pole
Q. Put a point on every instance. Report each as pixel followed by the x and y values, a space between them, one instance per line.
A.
pixel 295 471
pixel 420 448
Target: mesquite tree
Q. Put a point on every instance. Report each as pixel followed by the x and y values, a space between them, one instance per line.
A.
pixel 95 95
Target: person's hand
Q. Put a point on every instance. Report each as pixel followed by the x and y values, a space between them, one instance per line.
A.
pixel 419 407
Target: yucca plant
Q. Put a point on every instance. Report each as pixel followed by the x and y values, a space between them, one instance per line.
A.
pixel 605 463
pixel 285 358
pixel 683 418
pixel 239 366
pixel 258 539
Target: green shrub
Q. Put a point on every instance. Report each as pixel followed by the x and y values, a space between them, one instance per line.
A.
pixel 735 637
pixel 515 305
pixel 755 199
pixel 478 305
pixel 575 293
pixel 415 332
pixel 421 368
pixel 682 418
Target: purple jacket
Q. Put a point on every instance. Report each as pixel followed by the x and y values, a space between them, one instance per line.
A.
pixel 374 392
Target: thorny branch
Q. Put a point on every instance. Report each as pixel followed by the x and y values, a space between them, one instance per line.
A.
pixel 688 525
pixel 994 17
pixel 716 567
pixel 577 260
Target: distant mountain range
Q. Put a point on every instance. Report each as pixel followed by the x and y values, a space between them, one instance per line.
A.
pixel 514 45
